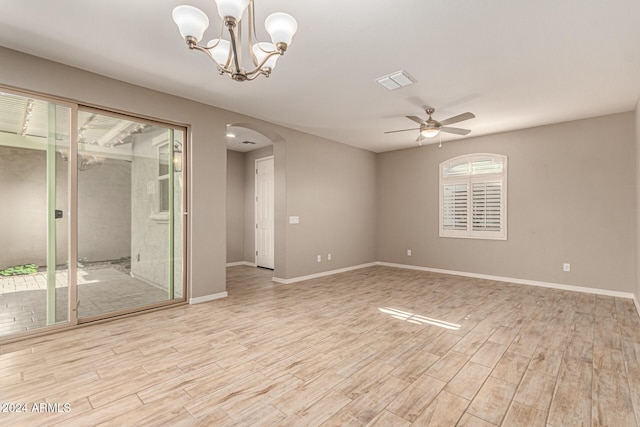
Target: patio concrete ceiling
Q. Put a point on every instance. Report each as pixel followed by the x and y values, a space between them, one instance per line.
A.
pixel 24 123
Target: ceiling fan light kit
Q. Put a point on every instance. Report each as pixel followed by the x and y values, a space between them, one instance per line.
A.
pixel 227 54
pixel 430 128
pixel 429 133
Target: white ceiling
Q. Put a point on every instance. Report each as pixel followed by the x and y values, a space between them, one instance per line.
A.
pixel 245 139
pixel 513 63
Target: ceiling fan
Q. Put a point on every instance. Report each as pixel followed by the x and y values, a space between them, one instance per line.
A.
pixel 431 127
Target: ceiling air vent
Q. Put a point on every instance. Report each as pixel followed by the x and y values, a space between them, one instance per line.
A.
pixel 248 142
pixel 396 80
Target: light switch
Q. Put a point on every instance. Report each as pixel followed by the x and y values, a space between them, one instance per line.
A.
pixel 294 220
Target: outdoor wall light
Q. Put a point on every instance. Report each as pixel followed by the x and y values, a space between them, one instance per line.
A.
pixel 177 156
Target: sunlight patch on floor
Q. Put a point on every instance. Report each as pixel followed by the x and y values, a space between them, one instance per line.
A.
pixel 418 319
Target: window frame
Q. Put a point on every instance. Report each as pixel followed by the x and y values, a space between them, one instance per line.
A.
pixel 163 177
pixel 470 178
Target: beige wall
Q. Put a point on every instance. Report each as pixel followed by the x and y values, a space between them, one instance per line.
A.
pixel 332 188
pixel 571 198
pixel 637 211
pixel 235 206
pixel 280 207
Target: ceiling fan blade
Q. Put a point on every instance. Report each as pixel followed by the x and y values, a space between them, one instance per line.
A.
pixel 416 119
pixel 401 130
pixel 457 131
pixel 455 119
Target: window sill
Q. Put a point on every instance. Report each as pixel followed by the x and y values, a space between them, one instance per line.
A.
pixel 496 236
pixel 160 217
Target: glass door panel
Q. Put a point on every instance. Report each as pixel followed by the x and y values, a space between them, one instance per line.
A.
pixel 34 181
pixel 129 215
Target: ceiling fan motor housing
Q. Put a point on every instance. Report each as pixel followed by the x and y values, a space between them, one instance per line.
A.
pixel 431 128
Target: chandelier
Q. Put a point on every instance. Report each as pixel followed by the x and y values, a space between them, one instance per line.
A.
pixel 227 54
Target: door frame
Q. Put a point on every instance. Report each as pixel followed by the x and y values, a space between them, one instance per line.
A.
pixel 72 220
pixel 72 209
pixel 185 219
pixel 255 208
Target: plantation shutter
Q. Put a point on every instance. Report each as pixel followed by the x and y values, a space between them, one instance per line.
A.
pixel 473 199
pixel 487 206
pixel 455 206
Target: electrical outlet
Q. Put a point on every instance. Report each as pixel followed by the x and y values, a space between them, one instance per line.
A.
pixel 566 267
pixel 319 258
pixel 328 257
pixel 408 252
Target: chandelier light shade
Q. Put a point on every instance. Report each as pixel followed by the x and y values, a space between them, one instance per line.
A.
pixel 227 53
pixel 260 51
pixel 219 49
pixel 191 21
pixel 233 8
pixel 281 27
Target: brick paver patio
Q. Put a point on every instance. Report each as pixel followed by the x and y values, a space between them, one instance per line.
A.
pixel 101 290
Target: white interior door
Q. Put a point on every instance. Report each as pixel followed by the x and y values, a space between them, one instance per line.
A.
pixel 264 213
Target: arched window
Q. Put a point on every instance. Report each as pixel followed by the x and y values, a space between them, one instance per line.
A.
pixel 473 197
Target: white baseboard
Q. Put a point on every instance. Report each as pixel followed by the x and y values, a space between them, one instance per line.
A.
pixel 235 264
pixel 551 285
pixel 323 274
pixel 207 298
pixel 597 291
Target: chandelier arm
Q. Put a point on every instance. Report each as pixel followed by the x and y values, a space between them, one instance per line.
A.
pixel 259 68
pixel 239 36
pixel 255 73
pixel 228 62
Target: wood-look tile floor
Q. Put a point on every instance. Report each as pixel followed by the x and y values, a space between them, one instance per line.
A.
pixel 378 346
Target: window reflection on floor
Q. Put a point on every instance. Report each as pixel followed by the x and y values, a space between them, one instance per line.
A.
pixel 418 319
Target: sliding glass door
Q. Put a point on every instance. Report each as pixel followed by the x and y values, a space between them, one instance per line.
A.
pixel 130 208
pixel 92 221
pixel 34 221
